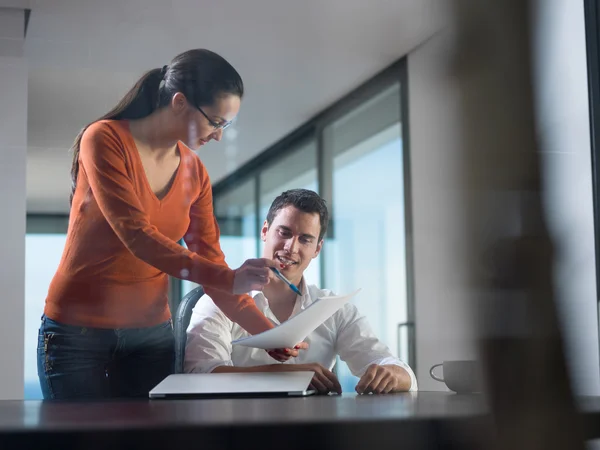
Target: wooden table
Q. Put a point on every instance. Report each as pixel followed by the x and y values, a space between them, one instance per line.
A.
pixel 410 420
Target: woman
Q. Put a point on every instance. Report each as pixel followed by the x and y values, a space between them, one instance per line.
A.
pixel 136 191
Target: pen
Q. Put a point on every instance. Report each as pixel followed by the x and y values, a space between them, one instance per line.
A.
pixel 286 281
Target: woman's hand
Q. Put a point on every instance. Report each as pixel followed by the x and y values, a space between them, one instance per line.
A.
pixel 253 275
pixel 283 354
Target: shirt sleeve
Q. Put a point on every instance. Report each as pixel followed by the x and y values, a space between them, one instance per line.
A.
pixel 209 338
pixel 202 237
pixel 359 347
pixel 102 159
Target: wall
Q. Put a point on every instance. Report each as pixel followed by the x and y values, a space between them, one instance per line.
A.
pixel 13 153
pixel 443 327
pixel 564 129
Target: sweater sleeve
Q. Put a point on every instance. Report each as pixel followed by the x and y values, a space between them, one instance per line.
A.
pixel 202 237
pixel 102 158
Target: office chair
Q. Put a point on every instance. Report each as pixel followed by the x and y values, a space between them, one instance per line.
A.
pixel 181 322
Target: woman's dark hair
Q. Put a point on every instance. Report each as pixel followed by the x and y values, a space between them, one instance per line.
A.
pixel 199 74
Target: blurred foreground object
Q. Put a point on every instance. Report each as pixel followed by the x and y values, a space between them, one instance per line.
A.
pixel 509 251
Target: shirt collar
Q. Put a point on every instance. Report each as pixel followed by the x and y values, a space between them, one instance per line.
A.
pixel 258 296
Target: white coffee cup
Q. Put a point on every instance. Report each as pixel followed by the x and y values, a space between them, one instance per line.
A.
pixel 460 376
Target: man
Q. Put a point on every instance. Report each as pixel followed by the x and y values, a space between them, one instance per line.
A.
pixel 293 235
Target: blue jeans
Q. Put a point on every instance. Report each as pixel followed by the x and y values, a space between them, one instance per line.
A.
pixel 96 363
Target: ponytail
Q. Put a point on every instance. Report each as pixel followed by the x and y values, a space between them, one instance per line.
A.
pixel 141 101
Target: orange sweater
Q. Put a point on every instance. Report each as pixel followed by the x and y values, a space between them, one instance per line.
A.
pixel 122 240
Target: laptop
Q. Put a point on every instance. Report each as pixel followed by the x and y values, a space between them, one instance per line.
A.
pixel 234 385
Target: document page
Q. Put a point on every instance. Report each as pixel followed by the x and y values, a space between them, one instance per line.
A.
pixel 295 329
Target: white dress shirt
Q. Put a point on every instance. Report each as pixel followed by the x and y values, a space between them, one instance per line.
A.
pixel 347 334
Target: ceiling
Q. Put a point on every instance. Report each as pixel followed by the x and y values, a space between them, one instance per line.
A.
pixel 296 58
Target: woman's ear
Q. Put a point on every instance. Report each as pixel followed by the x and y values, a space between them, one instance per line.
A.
pixel 179 103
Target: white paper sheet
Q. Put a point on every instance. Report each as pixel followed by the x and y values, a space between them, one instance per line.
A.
pixel 297 328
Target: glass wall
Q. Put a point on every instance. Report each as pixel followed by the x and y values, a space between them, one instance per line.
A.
pixel 42 255
pixel 367 247
pixel 354 155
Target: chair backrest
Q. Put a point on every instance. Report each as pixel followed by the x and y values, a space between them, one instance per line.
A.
pixel 180 323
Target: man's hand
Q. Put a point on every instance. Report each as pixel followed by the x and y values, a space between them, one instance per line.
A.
pixel 324 381
pixel 383 380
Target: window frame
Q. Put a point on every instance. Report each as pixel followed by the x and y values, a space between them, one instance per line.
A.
pixel 592 35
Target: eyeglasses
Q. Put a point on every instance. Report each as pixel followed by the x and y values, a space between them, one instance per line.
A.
pixel 215 125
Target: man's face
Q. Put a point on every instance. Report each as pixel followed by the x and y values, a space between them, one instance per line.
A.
pixel 293 240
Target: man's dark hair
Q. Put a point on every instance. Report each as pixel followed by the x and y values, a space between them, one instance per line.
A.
pixel 306 201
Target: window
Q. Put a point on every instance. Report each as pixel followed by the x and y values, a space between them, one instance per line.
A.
pixel 42 255
pixel 354 155
pixel 367 249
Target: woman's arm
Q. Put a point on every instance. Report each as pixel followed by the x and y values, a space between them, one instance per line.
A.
pixel 202 237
